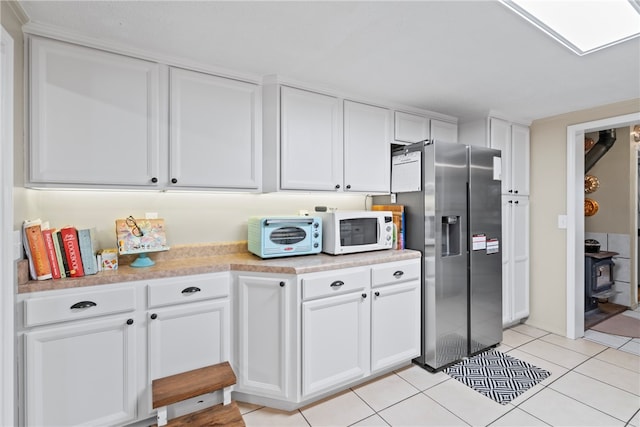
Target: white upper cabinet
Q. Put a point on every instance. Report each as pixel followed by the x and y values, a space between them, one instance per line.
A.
pixel 367 132
pixel 94 117
pixel 513 140
pixel 215 132
pixel 315 141
pixel 443 131
pixel 410 128
pixel 520 159
pixel 311 140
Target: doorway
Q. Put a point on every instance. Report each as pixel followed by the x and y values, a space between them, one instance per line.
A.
pixel 575 216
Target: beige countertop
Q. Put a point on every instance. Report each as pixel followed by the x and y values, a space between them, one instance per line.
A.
pixel 184 260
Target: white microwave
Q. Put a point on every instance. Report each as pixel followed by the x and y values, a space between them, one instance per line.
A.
pixel 345 232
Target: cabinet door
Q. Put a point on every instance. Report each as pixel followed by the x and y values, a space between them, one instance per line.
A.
pixel 410 128
pixel 263 336
pixel 507 263
pixel 94 117
pixel 515 258
pixel 520 159
pixel 443 131
pixel 395 324
pixel 335 341
pixel 215 132
pixel 500 139
pixel 367 132
pixel 520 257
pixel 189 336
pixel 310 141
pixel 81 374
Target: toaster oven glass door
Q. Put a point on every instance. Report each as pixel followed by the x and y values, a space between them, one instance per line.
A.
pixel 287 235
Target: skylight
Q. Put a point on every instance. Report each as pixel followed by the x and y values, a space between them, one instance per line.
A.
pixel 584 26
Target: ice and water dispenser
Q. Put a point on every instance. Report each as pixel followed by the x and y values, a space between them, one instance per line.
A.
pixel 450 235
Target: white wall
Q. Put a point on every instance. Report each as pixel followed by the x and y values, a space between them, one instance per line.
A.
pixel 190 217
pixel 548 199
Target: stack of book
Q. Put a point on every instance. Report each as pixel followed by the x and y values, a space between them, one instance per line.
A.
pixel 55 254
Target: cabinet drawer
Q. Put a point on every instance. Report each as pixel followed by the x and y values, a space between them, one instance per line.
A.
pixel 395 273
pixel 187 289
pixel 324 284
pixel 79 305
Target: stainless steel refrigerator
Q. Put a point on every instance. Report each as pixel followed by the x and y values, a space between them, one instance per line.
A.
pixel 453 216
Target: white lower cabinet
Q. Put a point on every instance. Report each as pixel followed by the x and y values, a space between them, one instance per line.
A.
pixel 91 355
pixel 81 371
pixel 357 322
pixel 335 341
pixel 395 313
pixel 395 324
pixel 264 363
pixel 188 337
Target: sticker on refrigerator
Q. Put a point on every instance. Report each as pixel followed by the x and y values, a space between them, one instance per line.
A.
pixel 479 242
pixel 493 246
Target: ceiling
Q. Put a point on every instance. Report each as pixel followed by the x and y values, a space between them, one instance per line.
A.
pixel 462 58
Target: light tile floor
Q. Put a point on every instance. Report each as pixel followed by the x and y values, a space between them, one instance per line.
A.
pixel 591 384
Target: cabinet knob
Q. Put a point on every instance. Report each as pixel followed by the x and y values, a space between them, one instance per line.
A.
pixel 174 180
pixel 129 321
pixel 282 284
pixel 83 304
pixel 516 202
pixel 337 186
pixel 348 186
pixel 364 295
pixel 154 316
pixel 510 191
pixel 516 191
pixel 377 294
pixel 510 201
pixel 154 179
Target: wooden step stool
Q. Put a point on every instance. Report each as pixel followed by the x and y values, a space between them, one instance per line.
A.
pixel 179 387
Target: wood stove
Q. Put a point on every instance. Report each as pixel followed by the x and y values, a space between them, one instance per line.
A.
pixel 598 278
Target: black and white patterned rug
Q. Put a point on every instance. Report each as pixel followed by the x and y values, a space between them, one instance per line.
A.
pixel 497 375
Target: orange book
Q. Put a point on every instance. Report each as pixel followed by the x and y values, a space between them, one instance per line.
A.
pixel 36 252
pixel 72 251
pixel 47 236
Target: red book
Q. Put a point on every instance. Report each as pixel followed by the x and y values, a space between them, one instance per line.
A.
pixel 51 252
pixel 72 251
